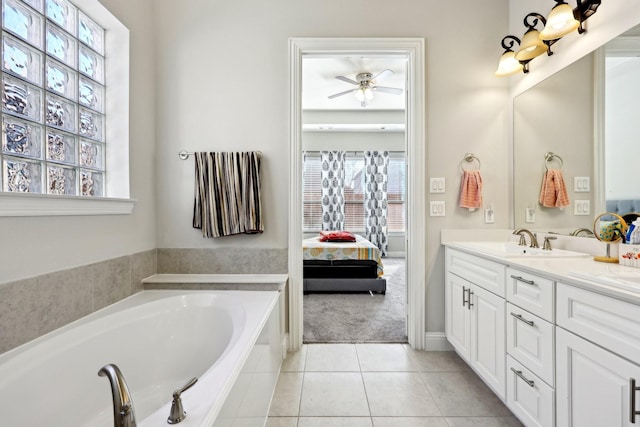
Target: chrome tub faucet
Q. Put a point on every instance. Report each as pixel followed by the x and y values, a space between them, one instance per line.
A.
pixel 123 414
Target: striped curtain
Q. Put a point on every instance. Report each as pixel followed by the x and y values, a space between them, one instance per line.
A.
pixel 375 198
pixel 332 190
pixel 227 193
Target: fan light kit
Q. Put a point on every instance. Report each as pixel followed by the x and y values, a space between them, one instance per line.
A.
pixel 366 83
pixel 562 20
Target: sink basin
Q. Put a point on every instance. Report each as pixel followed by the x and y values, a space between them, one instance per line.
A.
pixel 624 279
pixel 512 250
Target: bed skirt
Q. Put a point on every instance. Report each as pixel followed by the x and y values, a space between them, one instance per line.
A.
pixel 336 285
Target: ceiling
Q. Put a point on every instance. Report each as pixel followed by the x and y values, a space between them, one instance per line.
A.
pixel 319 81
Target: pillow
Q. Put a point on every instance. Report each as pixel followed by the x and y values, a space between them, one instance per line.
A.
pixel 337 236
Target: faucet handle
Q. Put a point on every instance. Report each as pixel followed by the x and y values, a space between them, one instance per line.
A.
pixel 178 413
pixel 547 243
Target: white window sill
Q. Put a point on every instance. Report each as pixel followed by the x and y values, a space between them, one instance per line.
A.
pixel 13 204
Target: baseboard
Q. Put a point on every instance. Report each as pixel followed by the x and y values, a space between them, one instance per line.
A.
pixel 397 254
pixel 436 341
pixel 285 345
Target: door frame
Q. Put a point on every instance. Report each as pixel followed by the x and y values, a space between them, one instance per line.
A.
pixel 413 50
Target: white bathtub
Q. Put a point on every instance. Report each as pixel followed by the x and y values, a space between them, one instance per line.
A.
pixel 159 340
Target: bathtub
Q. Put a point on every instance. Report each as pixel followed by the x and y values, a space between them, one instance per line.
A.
pixel 159 340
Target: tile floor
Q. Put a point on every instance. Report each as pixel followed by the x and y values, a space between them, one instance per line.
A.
pixel 382 385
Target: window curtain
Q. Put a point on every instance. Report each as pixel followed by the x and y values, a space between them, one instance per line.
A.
pixel 332 190
pixel 375 198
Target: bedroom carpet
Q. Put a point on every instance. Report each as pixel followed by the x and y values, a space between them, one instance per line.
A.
pixel 359 318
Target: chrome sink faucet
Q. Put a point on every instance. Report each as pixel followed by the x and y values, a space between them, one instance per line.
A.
pixel 123 414
pixel 523 241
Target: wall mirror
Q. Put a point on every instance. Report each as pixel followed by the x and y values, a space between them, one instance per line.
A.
pixel 586 116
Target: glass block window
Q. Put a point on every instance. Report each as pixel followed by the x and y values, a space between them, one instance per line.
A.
pixel 353 192
pixel 53 99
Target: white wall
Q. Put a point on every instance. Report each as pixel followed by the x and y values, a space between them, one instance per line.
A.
pixel 36 245
pixel 223 85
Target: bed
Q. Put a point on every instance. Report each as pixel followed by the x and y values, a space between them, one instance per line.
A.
pixel 342 266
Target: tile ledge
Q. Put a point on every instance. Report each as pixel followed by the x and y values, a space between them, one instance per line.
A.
pixel 217 278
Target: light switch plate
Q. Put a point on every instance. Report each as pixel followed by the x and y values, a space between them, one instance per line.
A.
pixel 581 184
pixel 436 185
pixel 436 208
pixel 582 207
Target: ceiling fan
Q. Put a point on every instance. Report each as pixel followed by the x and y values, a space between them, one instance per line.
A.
pixel 366 83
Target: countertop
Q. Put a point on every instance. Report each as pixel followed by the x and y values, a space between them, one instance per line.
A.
pixel 560 269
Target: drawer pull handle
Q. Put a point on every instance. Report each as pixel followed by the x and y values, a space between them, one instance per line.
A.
pixel 469 303
pixel 523 378
pixel 522 319
pixel 523 280
pixel 464 291
pixel 632 391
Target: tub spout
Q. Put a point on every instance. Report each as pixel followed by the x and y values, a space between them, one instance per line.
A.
pixel 123 414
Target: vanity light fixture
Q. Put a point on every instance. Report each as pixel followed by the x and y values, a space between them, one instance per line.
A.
pixel 508 64
pixel 532 46
pixel 560 22
pixel 585 9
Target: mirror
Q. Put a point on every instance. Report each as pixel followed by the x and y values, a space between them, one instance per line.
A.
pixel 560 116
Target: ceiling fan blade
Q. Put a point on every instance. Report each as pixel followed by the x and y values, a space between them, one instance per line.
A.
pixel 335 95
pixel 383 74
pixel 392 90
pixel 348 80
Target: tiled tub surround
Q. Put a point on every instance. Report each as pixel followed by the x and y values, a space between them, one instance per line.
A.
pixel 222 261
pixel 35 306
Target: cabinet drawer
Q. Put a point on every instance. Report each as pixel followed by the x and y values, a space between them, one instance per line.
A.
pixel 528 397
pixel 530 340
pixel 608 322
pixel 484 273
pixel 531 292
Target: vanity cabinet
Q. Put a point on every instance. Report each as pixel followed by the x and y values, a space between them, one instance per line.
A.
pixel 598 351
pixel 557 354
pixel 475 321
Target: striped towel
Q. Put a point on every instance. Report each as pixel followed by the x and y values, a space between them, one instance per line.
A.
pixel 227 194
pixel 553 193
pixel 471 190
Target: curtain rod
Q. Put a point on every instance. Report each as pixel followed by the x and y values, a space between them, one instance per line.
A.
pixel 356 151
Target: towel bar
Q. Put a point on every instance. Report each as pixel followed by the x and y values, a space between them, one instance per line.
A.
pixel 184 155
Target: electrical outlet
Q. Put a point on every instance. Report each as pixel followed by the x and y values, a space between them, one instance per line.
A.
pixel 436 185
pixel 582 207
pixel 581 184
pixel 530 215
pixel 489 216
pixel 436 208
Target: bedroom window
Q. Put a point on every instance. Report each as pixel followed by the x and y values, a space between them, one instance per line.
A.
pixel 354 192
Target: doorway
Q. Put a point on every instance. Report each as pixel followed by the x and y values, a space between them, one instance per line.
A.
pixel 413 51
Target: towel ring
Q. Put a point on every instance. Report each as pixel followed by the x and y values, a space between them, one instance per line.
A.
pixel 548 158
pixel 470 157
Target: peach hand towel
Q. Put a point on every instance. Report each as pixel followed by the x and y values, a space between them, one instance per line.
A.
pixel 471 190
pixel 553 193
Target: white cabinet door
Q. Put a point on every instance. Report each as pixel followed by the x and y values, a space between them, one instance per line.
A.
pixel 593 385
pixel 488 350
pixel 458 314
